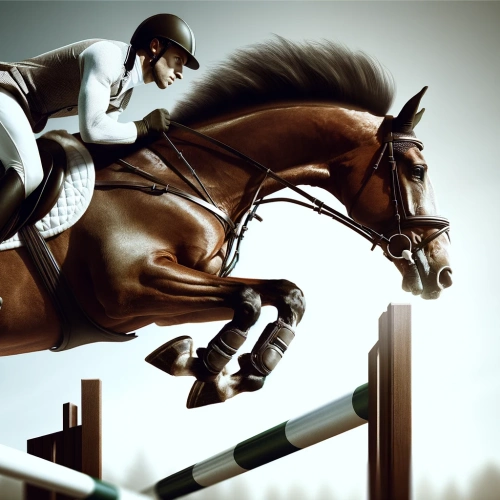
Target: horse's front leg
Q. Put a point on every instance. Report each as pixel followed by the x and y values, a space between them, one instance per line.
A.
pixel 274 341
pixel 266 353
pixel 214 384
pixel 176 357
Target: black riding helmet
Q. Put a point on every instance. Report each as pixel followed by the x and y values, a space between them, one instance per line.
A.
pixel 169 27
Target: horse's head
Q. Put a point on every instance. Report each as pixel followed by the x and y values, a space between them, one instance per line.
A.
pixel 395 198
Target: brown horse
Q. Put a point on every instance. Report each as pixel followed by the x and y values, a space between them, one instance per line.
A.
pixel 157 242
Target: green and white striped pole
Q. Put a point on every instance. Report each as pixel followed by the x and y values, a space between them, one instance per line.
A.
pixel 311 428
pixel 325 422
pixel 54 477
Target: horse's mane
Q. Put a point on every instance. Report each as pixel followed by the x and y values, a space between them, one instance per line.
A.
pixel 282 70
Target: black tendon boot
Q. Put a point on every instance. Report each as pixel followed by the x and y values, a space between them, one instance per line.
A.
pixel 11 197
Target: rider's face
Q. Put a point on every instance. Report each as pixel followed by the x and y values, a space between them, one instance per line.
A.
pixel 169 67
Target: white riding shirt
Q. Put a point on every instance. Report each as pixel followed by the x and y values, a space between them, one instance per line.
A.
pixel 101 66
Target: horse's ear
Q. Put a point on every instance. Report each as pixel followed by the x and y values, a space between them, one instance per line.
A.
pixel 417 118
pixel 407 117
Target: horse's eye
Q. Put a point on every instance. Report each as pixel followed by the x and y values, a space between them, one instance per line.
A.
pixel 418 171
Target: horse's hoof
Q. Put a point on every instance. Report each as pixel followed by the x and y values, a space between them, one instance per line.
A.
pixel 204 394
pixel 225 386
pixel 249 378
pixel 173 356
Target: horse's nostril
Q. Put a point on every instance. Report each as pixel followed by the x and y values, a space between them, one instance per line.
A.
pixel 444 277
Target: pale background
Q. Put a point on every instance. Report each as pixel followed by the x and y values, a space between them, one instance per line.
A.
pixel 453 48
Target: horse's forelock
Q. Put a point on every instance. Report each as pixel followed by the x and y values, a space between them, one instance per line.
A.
pixel 282 70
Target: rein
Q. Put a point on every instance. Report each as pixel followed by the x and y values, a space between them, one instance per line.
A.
pixel 398 246
pixel 316 205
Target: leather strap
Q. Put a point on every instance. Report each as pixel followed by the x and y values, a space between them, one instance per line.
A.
pixel 161 188
pixel 77 328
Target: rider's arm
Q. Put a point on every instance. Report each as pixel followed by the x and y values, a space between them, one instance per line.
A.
pixel 101 65
pixel 115 114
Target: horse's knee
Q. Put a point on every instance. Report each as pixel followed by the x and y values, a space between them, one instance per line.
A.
pixel 247 308
pixel 292 303
pixel 225 344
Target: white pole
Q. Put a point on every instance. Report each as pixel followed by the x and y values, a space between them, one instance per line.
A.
pixel 54 477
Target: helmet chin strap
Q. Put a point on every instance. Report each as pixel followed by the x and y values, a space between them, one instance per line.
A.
pixel 155 59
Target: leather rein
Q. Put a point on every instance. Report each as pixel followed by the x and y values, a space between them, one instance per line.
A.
pixel 398 245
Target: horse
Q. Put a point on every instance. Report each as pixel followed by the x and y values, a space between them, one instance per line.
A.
pixel 160 238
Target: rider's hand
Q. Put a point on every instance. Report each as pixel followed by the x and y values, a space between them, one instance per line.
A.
pixel 153 124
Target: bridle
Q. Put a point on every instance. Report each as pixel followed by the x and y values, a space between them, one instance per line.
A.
pixel 398 245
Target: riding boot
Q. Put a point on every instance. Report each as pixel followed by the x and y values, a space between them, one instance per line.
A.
pixel 11 198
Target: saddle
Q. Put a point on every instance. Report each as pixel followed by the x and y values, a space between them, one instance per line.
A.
pixel 39 203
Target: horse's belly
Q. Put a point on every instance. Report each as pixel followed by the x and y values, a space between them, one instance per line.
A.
pixel 28 321
pixel 19 335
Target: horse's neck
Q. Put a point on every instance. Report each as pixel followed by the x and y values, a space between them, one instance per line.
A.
pixel 304 144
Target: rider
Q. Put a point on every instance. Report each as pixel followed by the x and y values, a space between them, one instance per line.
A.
pixel 93 79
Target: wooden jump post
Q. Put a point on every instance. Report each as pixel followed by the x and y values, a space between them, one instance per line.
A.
pixel 389 416
pixel 78 447
pixel 385 402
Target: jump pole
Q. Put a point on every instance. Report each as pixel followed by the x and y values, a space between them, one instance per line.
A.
pixel 60 479
pixel 385 403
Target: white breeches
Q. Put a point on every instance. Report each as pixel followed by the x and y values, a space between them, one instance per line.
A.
pixel 18 147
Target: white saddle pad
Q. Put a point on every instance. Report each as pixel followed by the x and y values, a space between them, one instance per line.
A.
pixel 76 192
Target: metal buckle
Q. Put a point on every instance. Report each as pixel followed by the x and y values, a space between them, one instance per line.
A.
pixel 401 247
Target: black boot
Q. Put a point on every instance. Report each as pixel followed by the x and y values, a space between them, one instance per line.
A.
pixel 11 198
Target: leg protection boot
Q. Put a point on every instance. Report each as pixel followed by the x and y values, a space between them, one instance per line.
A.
pixel 222 347
pixel 11 198
pixel 271 346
